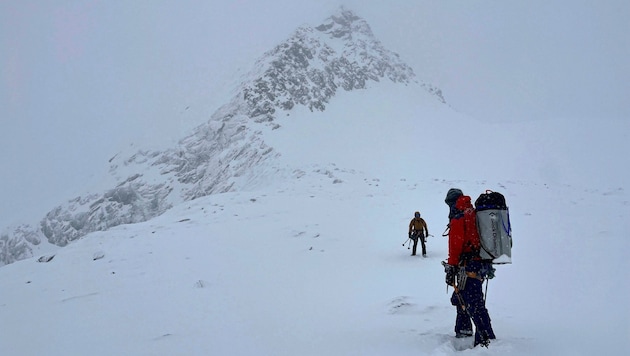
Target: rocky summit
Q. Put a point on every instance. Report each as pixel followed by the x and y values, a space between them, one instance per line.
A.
pixel 227 152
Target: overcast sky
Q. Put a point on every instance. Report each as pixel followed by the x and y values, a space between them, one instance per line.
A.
pixel 80 80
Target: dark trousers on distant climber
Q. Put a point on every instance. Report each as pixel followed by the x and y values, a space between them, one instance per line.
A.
pixel 472 296
pixel 415 237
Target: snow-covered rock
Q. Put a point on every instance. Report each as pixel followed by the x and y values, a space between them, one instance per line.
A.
pixel 228 152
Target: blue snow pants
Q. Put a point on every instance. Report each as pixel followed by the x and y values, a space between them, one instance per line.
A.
pixel 472 295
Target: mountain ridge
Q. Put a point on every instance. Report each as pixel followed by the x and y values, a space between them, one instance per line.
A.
pixel 307 69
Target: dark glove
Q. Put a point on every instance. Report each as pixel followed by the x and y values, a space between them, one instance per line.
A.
pixel 487 271
pixel 451 272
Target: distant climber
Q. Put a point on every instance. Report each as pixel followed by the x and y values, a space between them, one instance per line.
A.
pixel 418 231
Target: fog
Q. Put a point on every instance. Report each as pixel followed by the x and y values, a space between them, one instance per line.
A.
pixel 81 81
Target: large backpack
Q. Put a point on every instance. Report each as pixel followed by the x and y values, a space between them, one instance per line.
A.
pixel 495 231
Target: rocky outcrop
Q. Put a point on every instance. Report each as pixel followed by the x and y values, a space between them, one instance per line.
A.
pixel 307 69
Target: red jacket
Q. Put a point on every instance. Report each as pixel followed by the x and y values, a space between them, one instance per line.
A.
pixel 463 236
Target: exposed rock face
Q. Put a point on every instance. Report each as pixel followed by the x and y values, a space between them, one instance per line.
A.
pixel 307 69
pixel 310 67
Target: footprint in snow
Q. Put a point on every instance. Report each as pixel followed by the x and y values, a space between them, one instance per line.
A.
pixel 401 305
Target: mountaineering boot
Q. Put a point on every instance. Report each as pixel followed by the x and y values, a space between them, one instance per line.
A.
pixel 484 343
pixel 483 338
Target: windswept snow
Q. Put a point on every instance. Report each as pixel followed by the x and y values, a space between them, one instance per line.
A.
pixel 282 228
pixel 311 267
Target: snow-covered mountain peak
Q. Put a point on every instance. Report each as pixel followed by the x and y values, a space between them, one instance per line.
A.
pixel 315 62
pixel 346 26
pixel 342 23
pixel 229 152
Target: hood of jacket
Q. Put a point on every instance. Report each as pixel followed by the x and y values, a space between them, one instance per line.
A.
pixel 463 203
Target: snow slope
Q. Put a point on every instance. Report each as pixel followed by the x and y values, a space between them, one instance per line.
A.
pixel 307 70
pixel 308 259
pixel 313 267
